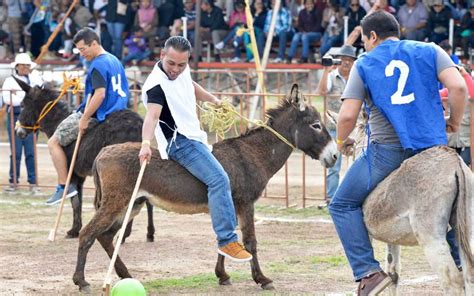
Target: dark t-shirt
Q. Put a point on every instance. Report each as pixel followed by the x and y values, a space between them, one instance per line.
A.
pixel 97 82
pixel 157 96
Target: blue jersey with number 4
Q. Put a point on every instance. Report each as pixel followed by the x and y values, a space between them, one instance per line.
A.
pixel 401 80
pixel 116 92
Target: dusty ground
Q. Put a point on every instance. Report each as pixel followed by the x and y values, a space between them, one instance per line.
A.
pixel 298 248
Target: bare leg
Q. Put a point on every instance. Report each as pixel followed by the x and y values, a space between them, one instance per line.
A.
pixel 59 159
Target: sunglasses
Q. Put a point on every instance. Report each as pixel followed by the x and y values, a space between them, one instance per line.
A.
pixel 355 5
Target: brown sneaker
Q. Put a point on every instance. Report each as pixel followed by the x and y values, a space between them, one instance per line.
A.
pixel 235 252
pixel 374 284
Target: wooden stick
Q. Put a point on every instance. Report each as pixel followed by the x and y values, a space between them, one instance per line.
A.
pixel 107 281
pixel 44 48
pixel 52 232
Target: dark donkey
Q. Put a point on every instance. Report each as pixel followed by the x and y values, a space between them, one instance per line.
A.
pixel 119 127
pixel 250 161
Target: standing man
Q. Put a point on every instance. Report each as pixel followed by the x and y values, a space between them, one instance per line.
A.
pixel 397 80
pixel 13 98
pixel 170 94
pixel 107 86
pixel 332 85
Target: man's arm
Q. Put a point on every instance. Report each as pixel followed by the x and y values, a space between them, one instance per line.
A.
pixel 203 95
pixel 453 81
pixel 347 120
pixel 149 124
pixel 94 103
pixel 323 87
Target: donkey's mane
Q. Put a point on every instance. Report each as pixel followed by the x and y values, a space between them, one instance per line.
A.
pixel 271 113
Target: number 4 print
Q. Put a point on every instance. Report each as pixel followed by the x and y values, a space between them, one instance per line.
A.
pixel 117 85
pixel 397 98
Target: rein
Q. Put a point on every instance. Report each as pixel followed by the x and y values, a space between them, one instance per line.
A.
pixel 221 118
pixel 73 82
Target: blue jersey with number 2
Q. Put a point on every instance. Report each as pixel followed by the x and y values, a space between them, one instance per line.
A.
pixel 401 80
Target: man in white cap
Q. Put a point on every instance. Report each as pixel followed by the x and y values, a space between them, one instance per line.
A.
pixel 12 97
pixel 332 84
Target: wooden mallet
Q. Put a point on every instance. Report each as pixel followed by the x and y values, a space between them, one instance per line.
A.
pixel 52 232
pixel 107 281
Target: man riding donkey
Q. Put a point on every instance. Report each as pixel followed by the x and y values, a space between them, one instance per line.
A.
pixel 107 87
pixel 170 94
pixel 397 83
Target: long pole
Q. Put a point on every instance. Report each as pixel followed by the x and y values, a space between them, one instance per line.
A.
pixel 52 233
pixel 107 281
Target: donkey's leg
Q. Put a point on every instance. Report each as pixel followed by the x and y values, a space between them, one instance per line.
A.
pixel 150 236
pixel 103 219
pixel 128 231
pixel 224 278
pixel 106 241
pixel 76 202
pixel 247 226
pixel 431 235
pixel 393 267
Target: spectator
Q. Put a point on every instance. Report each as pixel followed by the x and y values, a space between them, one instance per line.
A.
pixel 283 29
pixel 169 16
pixel 137 47
pixel 213 26
pixel 438 22
pixel 331 85
pixel 116 18
pixel 467 32
pixel 147 19
pixel 413 18
pixel 190 14
pixel 333 25
pixel 12 98
pixel 39 29
pixel 237 22
pixel 15 23
pixel 355 13
pixel 309 31
pixel 259 14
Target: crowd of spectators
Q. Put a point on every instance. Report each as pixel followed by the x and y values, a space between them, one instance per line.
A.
pixel 134 31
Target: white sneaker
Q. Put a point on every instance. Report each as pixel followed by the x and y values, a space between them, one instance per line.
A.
pixel 277 60
pixel 219 46
pixel 235 43
pixel 235 60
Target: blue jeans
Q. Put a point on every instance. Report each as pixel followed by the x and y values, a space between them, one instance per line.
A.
pixel 332 178
pixel 27 144
pixel 282 37
pixel 199 161
pixel 329 41
pixel 346 205
pixel 138 56
pixel 306 39
pixel 115 31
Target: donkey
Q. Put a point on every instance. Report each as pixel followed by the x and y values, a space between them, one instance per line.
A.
pixel 250 160
pixel 119 127
pixel 416 204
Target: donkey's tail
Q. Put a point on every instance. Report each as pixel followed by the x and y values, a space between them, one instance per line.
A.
pixel 98 187
pixel 463 214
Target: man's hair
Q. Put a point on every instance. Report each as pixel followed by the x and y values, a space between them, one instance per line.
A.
pixel 88 35
pixel 178 43
pixel 382 23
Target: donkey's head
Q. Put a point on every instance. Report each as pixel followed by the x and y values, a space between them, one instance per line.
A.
pixel 34 101
pixel 301 124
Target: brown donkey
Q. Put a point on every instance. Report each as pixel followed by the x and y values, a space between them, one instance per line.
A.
pixel 250 161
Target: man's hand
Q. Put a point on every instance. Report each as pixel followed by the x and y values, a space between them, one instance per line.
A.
pixel 145 153
pixel 346 147
pixel 83 124
pixel 451 127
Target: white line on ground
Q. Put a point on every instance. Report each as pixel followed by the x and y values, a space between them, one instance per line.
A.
pixel 260 220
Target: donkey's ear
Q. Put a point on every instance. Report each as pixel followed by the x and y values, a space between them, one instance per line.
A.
pixel 297 98
pixel 24 86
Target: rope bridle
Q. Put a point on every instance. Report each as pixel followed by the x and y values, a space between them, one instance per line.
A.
pixel 68 83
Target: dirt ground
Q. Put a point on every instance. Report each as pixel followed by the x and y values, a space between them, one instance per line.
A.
pixel 298 248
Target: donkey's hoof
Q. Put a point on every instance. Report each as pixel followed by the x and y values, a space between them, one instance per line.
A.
pixel 85 289
pixel 268 286
pixel 150 239
pixel 72 234
pixel 225 282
